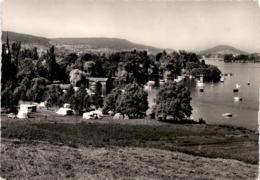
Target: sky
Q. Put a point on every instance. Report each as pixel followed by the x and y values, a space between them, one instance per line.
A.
pixel 190 25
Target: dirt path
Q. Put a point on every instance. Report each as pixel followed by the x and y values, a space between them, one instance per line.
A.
pixel 45 161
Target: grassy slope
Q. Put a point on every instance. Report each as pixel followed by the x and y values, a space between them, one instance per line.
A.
pixel 46 161
pixel 203 140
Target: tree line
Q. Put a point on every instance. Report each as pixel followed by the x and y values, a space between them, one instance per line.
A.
pixel 29 75
pixel 241 58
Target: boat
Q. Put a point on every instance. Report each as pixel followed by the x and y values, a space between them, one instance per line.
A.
pixel 237 99
pixel 222 79
pixel 248 83
pixel 227 115
pixel 236 88
pixel 200 82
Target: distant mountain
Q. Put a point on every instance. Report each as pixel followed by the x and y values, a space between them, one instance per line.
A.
pixel 81 44
pixel 25 38
pixel 222 49
pixel 103 43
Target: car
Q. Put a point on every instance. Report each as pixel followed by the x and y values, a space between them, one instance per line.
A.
pixel 11 115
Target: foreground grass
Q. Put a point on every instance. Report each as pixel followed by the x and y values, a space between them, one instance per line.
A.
pixel 202 140
pixel 43 161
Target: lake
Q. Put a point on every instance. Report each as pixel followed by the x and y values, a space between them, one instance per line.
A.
pixel 217 99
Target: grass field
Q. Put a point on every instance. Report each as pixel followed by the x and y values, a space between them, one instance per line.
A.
pixel 203 140
pixel 48 146
pixel 44 161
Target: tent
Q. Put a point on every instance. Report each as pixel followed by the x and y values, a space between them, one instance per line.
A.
pixel 23 113
pixel 66 105
pixel 64 111
pixel 111 113
pixel 42 104
pixel 118 116
pixel 88 115
pixel 93 114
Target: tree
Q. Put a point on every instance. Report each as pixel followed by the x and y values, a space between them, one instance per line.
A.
pixel 173 100
pixel 9 69
pixel 89 68
pixel 80 101
pixel 21 90
pixel 96 100
pixel 68 95
pixel 52 66
pixel 8 98
pixel 111 100
pixel 77 77
pixel 133 101
pixel 53 96
pixel 37 92
pixel 26 69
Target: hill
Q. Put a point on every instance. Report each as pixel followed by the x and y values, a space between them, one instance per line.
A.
pixel 222 49
pixel 103 43
pixel 25 38
pixel 79 44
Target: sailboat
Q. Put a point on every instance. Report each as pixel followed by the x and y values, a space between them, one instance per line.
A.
pixel 237 98
pixel 248 82
pixel 200 82
pixel 222 79
pixel 236 88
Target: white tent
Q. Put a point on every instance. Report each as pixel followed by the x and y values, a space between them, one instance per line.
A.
pixel 98 112
pixel 88 115
pixel 93 114
pixel 118 116
pixel 42 104
pixel 23 113
pixel 111 113
pixel 64 111
pixel 66 105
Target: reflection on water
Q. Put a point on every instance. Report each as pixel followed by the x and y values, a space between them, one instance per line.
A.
pixel 218 99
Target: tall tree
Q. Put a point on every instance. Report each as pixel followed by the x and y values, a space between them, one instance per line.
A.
pixel 173 99
pixel 80 101
pixel 133 101
pixel 52 66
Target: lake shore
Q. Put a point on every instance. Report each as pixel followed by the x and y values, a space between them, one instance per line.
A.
pixel 218 145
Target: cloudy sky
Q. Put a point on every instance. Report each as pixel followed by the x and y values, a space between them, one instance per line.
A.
pixel 190 25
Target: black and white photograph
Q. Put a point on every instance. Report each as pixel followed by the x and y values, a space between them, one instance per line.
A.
pixel 130 89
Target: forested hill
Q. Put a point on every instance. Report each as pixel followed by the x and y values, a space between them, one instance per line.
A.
pixel 25 38
pixel 95 43
pixel 102 42
pixel 222 49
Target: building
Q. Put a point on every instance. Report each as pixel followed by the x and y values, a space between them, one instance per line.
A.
pixel 102 85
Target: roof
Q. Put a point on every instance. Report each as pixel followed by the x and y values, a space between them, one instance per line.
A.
pixel 97 79
pixel 62 86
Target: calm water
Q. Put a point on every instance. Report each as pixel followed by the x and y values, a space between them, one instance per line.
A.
pixel 218 99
